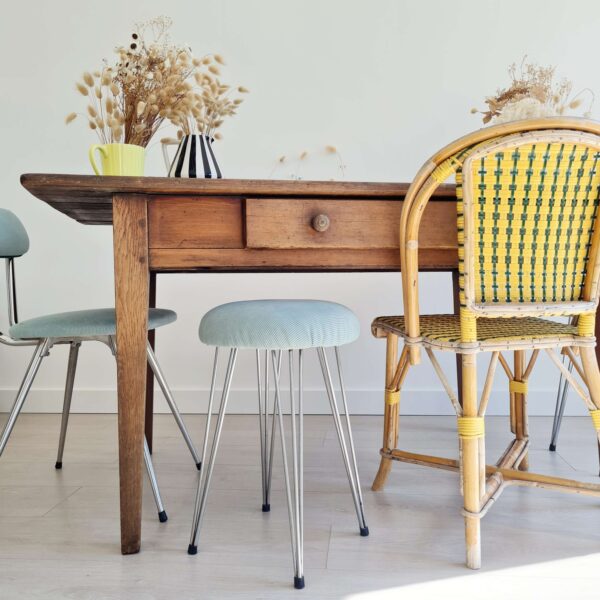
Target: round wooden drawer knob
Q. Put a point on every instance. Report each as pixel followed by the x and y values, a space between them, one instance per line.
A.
pixel 320 223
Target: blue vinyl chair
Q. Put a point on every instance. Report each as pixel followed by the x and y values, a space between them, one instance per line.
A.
pixel 275 327
pixel 72 328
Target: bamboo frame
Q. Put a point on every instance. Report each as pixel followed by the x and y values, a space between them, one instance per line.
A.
pixel 510 476
pixel 482 484
pixel 423 186
pixel 442 377
pixel 520 403
pixel 390 415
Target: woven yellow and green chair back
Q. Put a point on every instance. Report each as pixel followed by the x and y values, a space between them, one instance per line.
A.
pixel 526 219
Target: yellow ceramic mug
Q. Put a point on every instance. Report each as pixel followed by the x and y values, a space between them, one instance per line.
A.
pixel 119 159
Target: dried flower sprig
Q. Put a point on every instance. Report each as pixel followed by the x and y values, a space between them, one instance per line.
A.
pixel 209 103
pixel 302 158
pixel 533 92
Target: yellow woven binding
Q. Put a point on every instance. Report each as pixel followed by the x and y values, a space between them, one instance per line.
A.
pixel 586 324
pixel 468 326
pixel 444 170
pixel 470 427
pixel 595 414
pixel 392 397
pixel 517 387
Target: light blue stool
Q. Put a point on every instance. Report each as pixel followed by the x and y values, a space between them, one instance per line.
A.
pixel 71 328
pixel 276 326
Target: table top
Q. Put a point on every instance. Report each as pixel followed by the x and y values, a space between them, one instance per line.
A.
pixel 88 198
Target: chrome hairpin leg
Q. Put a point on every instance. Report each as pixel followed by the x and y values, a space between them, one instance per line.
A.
pixel 294 499
pixel 40 351
pixel 298 466
pixel 162 515
pixel 206 471
pixel 364 529
pixel 351 469
pixel 273 421
pixel 71 368
pixel 209 409
pixel 263 427
pixel 267 441
pixel 162 382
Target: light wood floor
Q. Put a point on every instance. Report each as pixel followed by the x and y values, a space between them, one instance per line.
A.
pixel 59 529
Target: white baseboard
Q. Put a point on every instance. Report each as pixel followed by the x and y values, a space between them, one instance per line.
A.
pixel 365 402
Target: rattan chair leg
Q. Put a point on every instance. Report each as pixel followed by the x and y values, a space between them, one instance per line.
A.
pixel 391 415
pixel 471 456
pixel 592 375
pixel 520 406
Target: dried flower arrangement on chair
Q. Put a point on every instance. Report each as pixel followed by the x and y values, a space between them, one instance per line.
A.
pixel 533 93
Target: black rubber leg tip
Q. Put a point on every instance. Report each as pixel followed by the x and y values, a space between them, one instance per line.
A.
pixel 266 508
pixel 162 516
pixel 364 532
pixel 199 465
pixel 299 582
pixel 192 549
pixel 552 448
pixel 58 464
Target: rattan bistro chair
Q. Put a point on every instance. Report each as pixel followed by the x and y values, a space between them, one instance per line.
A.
pixel 72 328
pixel 528 249
pixel 280 327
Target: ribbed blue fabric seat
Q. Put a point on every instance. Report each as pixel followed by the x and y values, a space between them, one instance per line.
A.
pixel 279 324
pixel 82 323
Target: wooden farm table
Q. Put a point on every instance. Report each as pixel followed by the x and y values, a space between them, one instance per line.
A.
pixel 195 225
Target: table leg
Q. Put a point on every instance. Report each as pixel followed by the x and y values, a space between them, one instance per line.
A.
pixel 130 239
pixel 149 374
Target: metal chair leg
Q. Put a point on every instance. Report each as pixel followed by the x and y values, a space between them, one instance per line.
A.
pixel 206 472
pixel 298 466
pixel 273 421
pixel 263 427
pixel 351 471
pixel 40 351
pixel 210 406
pixel 561 400
pixel 162 515
pixel 364 529
pixel 267 440
pixel 71 368
pixel 162 382
pixel 294 495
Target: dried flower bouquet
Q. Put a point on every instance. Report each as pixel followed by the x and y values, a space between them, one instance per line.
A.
pixel 152 82
pixel 533 92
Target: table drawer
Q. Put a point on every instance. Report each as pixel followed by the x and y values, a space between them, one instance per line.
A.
pixel 356 224
pixel 201 222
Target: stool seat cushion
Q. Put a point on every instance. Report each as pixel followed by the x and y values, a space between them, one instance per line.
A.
pixel 82 323
pixel 279 324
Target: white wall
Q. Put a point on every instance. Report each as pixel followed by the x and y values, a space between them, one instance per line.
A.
pixel 386 81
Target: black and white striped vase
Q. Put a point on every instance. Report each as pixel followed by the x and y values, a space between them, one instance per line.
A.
pixel 194 158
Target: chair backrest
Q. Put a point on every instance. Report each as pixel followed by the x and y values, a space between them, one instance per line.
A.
pixel 527 208
pixel 14 240
pixel 527 203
